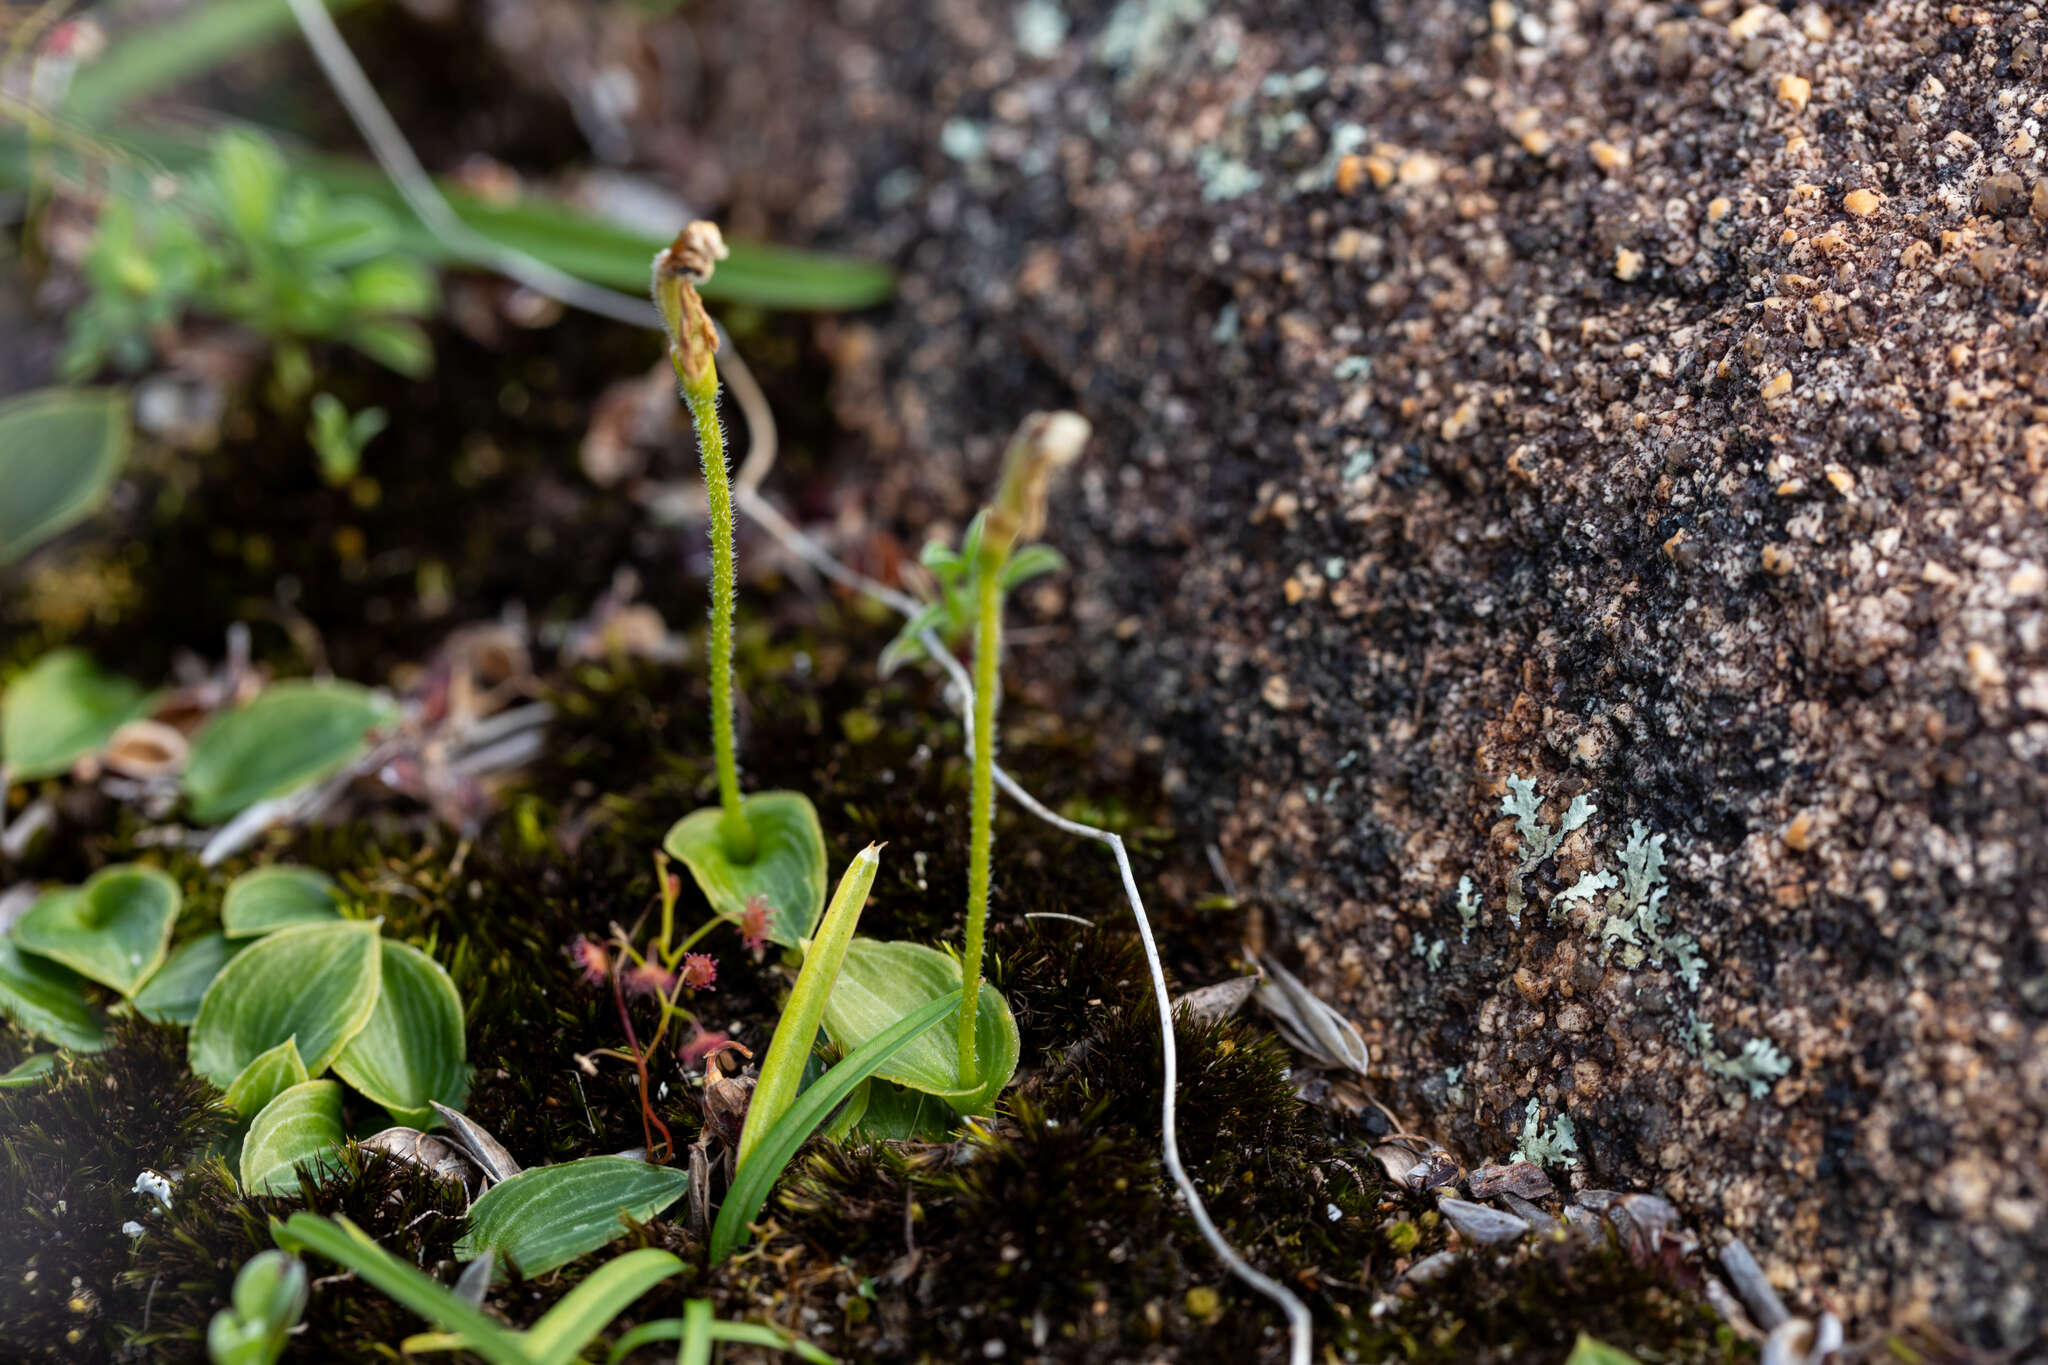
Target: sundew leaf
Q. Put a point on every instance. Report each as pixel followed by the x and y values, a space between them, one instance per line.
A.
pixel 264 1079
pixel 788 870
pixel 174 990
pixel 47 1000
pixel 59 709
pixel 545 1218
pixel 277 897
pixel 115 929
pixel 880 983
pixel 411 1052
pixel 301 1126
pixel 60 449
pixel 294 733
pixel 315 983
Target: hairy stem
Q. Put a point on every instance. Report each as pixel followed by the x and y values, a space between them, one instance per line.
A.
pixel 988 645
pixel 703 400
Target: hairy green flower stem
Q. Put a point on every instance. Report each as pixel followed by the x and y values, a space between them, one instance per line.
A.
pixel 1045 441
pixel 692 348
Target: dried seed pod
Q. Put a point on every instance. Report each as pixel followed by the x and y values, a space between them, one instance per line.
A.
pixel 424 1150
pixel 146 748
pixel 1309 1025
pixel 1213 1004
pixel 489 1155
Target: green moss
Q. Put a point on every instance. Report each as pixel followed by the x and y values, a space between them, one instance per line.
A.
pixel 70 1152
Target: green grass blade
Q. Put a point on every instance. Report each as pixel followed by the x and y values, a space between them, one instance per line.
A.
pixel 759 1172
pixel 783 1068
pixel 572 1324
pixel 696 1333
pixel 154 56
pixel 347 1245
pixel 739 1333
pixel 556 233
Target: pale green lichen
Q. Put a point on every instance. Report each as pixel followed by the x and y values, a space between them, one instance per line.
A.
pixel 1758 1065
pixel 1539 840
pixel 1224 177
pixel 1431 951
pixel 1633 928
pixel 1557 1145
pixel 1468 909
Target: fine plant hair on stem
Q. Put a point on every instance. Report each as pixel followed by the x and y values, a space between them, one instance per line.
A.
pixel 988 649
pixel 692 349
pixel 395 156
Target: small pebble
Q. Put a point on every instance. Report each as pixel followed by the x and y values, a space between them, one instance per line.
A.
pixel 1778 385
pixel 1794 91
pixel 1862 202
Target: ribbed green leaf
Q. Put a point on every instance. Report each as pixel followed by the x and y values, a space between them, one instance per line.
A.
pixel 275 897
pixel 58 710
pixel 47 1000
pixel 316 984
pixel 301 1126
pixel 292 734
pixel 546 1217
pixel 115 929
pixel 411 1051
pixel 59 452
pixel 264 1079
pixel 174 990
pixel 880 982
pixel 788 870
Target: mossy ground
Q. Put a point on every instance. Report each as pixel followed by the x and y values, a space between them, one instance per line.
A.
pixel 1053 1233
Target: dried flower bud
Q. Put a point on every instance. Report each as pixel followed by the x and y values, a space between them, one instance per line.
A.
pixel 678 269
pixel 697 250
pixel 1044 443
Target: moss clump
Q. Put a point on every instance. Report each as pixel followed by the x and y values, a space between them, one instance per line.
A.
pixel 70 1152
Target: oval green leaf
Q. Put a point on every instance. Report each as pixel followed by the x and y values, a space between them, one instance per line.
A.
pixel 116 929
pixel 61 708
pixel 315 984
pixel 302 1126
pixel 59 452
pixel 411 1052
pixel 174 990
pixel 294 733
pixel 546 1217
pixel 276 897
pixel 264 1079
pixel 788 870
pixel 47 1000
pixel 880 983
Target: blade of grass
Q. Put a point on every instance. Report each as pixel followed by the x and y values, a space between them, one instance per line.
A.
pixel 154 56
pixel 739 1333
pixel 782 1069
pixel 347 1245
pixel 552 232
pixel 758 1173
pixel 696 1333
pixel 572 1324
